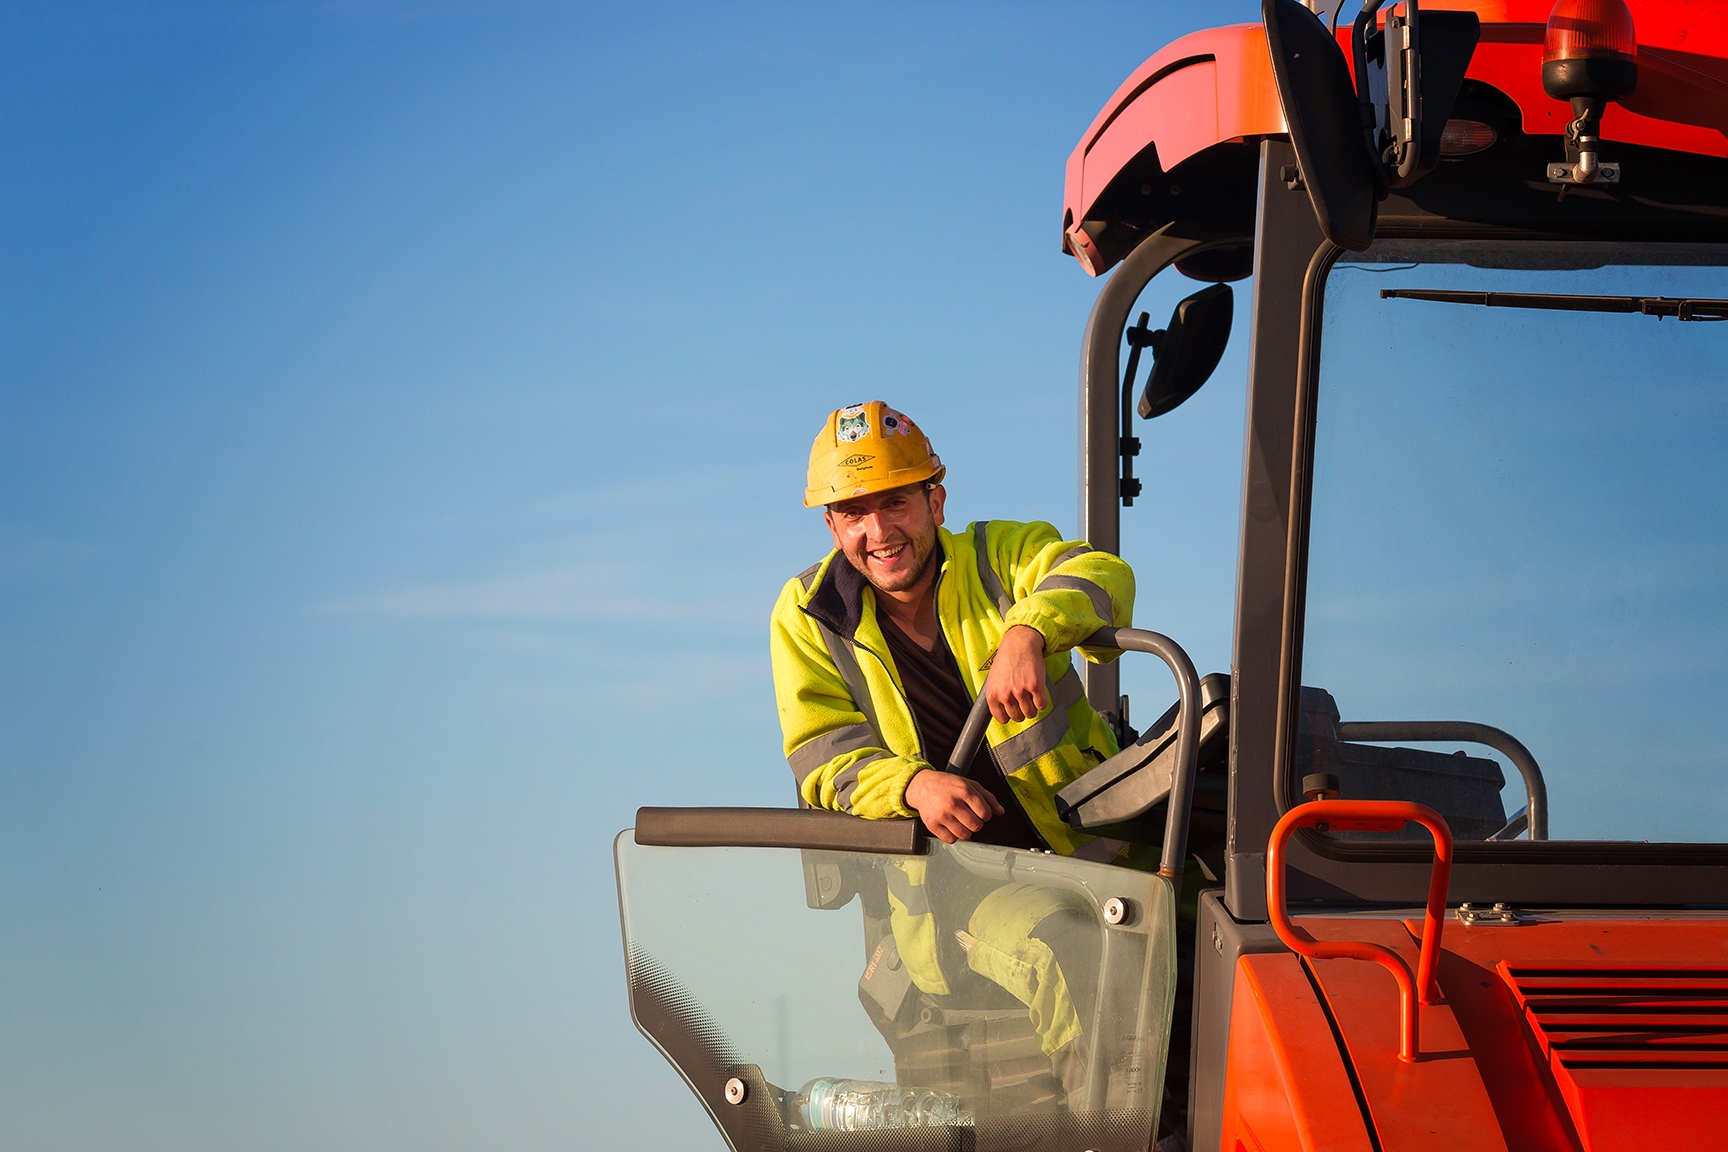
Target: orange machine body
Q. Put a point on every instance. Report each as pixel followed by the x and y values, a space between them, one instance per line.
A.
pixel 1600 1035
pixel 1538 1034
pixel 1569 1031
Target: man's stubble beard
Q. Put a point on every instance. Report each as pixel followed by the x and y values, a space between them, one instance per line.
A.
pixel 924 549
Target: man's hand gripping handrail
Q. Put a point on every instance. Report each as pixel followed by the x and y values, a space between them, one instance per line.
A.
pixel 1369 816
pixel 1187 738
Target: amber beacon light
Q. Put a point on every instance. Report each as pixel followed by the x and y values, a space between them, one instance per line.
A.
pixel 1589 49
pixel 1589 57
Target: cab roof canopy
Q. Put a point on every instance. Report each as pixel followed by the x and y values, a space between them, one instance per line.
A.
pixel 1180 137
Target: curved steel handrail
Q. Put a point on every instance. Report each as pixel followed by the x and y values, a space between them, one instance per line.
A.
pixel 1187 736
pixel 1370 816
pixel 1379 731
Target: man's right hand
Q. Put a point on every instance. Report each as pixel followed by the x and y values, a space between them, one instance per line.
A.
pixel 951 806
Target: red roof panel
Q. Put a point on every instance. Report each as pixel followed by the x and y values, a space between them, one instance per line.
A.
pixel 1216 87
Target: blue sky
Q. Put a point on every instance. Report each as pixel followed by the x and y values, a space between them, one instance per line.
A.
pixel 403 413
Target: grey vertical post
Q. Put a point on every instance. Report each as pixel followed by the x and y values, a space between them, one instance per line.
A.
pixel 1100 513
pixel 1287 236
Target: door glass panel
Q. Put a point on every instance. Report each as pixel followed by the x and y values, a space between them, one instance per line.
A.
pixel 886 1002
pixel 1520 520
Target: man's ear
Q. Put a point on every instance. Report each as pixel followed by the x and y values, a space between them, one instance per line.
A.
pixel 828 519
pixel 938 497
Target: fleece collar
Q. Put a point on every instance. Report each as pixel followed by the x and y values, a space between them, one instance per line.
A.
pixel 838 601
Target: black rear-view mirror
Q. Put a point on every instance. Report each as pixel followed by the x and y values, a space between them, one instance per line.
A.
pixel 1188 350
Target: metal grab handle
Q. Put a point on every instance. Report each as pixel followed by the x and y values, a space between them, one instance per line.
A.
pixel 1369 816
pixel 1376 731
pixel 1187 733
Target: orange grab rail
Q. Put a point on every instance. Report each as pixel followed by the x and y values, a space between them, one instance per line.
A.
pixel 1369 816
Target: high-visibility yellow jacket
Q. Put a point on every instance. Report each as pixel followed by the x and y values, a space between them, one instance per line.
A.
pixel 848 729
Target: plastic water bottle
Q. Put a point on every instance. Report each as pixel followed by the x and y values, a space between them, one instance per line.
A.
pixel 829 1105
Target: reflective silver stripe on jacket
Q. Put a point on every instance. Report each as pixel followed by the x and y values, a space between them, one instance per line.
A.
pixel 1041 739
pixel 818 750
pixel 1100 598
pixel 986 573
pixel 846 781
pixel 1077 550
pixel 913 896
pixel 846 663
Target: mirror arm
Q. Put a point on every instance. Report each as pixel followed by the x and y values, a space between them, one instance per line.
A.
pixel 1127 447
pixel 1360 32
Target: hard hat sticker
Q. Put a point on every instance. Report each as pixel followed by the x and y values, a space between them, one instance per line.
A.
pixel 853 426
pixel 865 448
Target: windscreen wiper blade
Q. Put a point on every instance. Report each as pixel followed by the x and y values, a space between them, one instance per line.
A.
pixel 1657 306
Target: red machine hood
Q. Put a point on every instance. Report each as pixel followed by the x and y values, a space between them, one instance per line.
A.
pixel 1599 1035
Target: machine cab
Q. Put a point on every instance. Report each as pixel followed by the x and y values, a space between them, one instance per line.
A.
pixel 1444 858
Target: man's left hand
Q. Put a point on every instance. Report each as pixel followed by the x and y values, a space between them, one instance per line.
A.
pixel 1017 687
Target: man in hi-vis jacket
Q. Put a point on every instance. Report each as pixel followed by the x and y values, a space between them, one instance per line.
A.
pixel 879 651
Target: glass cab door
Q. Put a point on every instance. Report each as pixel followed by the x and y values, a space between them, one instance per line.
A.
pixel 968 996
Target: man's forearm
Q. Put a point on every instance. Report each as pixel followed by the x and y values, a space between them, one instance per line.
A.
pixel 1016 687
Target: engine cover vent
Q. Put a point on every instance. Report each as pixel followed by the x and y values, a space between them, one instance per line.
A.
pixel 1625 1017
pixel 1639 1054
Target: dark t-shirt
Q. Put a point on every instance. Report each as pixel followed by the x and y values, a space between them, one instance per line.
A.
pixel 939 706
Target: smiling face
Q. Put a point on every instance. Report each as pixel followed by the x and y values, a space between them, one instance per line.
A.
pixel 889 536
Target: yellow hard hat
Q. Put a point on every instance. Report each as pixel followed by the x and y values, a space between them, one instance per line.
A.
pixel 867 448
